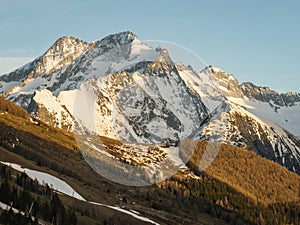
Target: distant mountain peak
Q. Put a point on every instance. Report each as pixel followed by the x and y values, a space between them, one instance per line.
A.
pixel 164 56
pixel 66 45
pixel 181 66
pixel 228 83
pixel 162 65
pixel 212 69
pixel 68 39
pixel 117 39
pixel 266 94
pixel 215 69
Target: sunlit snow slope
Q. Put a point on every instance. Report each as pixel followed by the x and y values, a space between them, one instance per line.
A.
pixel 121 88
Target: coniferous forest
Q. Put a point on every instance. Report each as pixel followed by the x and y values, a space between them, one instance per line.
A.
pixel 17 191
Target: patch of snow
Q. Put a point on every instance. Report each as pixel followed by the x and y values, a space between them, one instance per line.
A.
pixel 223 88
pixel 61 186
pixel 32 121
pixel 5 86
pixel 145 219
pixel 45 178
pixel 134 211
pixel 7 207
pixel 54 107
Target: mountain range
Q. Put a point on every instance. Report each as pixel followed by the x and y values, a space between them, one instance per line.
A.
pixel 116 104
pixel 134 92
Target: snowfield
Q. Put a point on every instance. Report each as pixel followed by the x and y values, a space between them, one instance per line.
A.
pixel 62 187
pixel 286 117
pixel 45 178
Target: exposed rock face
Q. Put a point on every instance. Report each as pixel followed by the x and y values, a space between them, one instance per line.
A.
pixel 229 85
pixel 121 88
pixel 266 94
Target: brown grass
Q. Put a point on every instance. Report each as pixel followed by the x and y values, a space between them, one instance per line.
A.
pixel 250 174
pixel 11 108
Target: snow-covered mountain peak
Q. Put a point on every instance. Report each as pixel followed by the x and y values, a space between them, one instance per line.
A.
pixel 219 73
pixel 137 93
pixel 213 69
pixel 67 41
pixel 181 67
pixel 70 62
pixel 161 66
pixel 62 53
pixel 115 40
pixel 228 84
pixel 120 38
pixel 249 88
pixel 164 56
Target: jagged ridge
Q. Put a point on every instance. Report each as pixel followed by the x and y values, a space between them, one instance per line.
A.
pixel 141 95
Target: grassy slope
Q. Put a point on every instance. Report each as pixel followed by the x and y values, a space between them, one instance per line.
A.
pixel 250 174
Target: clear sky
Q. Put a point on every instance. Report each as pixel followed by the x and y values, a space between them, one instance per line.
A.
pixel 256 40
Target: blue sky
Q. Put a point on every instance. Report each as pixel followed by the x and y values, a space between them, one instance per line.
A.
pixel 255 40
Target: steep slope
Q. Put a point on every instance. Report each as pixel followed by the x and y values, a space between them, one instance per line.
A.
pixel 49 109
pixel 252 120
pixel 264 102
pixel 282 109
pixel 237 124
pixel 11 108
pixel 227 83
pixel 65 65
pixel 203 84
pixel 235 166
pixel 285 116
pixel 44 72
pixel 69 62
pixel 121 88
pixel 239 187
pixel 241 128
pixel 147 106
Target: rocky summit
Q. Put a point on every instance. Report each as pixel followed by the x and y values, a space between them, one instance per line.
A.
pixel 121 88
